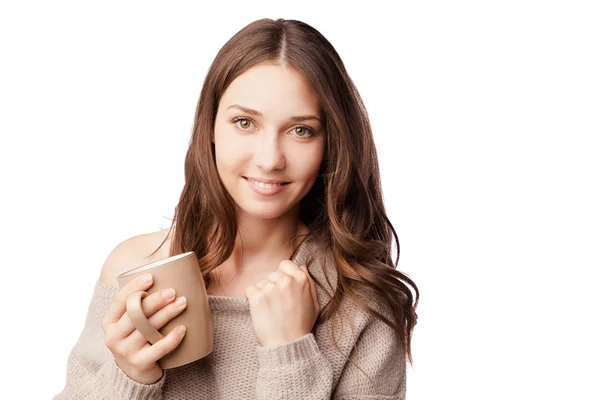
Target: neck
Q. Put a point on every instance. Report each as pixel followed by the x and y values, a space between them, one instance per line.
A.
pixel 262 243
pixel 266 238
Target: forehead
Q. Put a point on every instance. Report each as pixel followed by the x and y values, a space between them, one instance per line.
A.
pixel 273 90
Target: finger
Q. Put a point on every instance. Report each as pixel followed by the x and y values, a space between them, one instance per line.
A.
pixel 157 321
pixel 261 285
pixel 251 291
pixel 118 306
pixel 269 285
pixel 276 276
pixel 265 285
pixel 150 305
pixel 292 269
pixel 153 353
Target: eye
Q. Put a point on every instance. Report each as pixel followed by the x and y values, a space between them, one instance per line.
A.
pixel 300 131
pixel 305 130
pixel 243 126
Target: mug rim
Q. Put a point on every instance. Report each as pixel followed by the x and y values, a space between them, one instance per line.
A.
pixel 155 264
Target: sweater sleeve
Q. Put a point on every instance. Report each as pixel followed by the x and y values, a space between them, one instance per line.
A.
pixel 92 372
pixel 298 370
pixel 295 370
pixel 379 352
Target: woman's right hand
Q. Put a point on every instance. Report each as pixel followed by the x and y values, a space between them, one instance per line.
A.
pixel 131 350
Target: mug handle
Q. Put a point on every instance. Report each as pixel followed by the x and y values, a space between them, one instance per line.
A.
pixel 139 319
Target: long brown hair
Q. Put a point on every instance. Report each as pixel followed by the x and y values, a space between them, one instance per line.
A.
pixel 344 209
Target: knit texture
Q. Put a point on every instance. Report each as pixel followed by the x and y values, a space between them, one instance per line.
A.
pixel 311 367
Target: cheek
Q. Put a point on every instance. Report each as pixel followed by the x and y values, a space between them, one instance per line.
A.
pixel 229 153
pixel 307 162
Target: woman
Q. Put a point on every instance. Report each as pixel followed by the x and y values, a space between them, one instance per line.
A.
pixel 283 206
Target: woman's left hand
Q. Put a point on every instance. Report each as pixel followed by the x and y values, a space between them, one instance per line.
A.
pixel 284 306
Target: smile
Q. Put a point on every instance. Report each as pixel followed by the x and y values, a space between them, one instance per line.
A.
pixel 266 189
pixel 265 185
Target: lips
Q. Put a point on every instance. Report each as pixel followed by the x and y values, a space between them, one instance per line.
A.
pixel 266 190
pixel 266 183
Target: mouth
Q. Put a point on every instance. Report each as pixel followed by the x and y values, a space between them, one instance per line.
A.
pixel 265 185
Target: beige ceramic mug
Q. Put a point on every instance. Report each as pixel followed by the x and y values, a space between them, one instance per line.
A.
pixel 182 273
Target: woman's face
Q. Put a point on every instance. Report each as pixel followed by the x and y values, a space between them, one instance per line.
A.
pixel 267 128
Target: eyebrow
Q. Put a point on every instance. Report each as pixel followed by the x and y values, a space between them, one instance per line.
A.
pixel 259 114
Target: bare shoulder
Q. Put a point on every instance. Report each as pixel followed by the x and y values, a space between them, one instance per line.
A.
pixel 133 252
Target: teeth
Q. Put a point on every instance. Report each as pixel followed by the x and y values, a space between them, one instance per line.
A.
pixel 264 185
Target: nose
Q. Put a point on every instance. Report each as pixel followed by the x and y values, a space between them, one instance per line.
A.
pixel 269 155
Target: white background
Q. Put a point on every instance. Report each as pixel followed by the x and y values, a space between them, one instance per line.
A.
pixel 486 117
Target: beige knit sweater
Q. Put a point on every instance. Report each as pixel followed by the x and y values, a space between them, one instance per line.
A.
pixel 239 368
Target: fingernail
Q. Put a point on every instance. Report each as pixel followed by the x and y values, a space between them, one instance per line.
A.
pixel 146 278
pixel 168 293
pixel 181 330
pixel 180 301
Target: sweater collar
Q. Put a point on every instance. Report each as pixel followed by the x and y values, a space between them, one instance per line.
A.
pixel 322 269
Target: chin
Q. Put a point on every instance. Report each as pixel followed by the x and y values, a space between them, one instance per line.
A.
pixel 263 211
